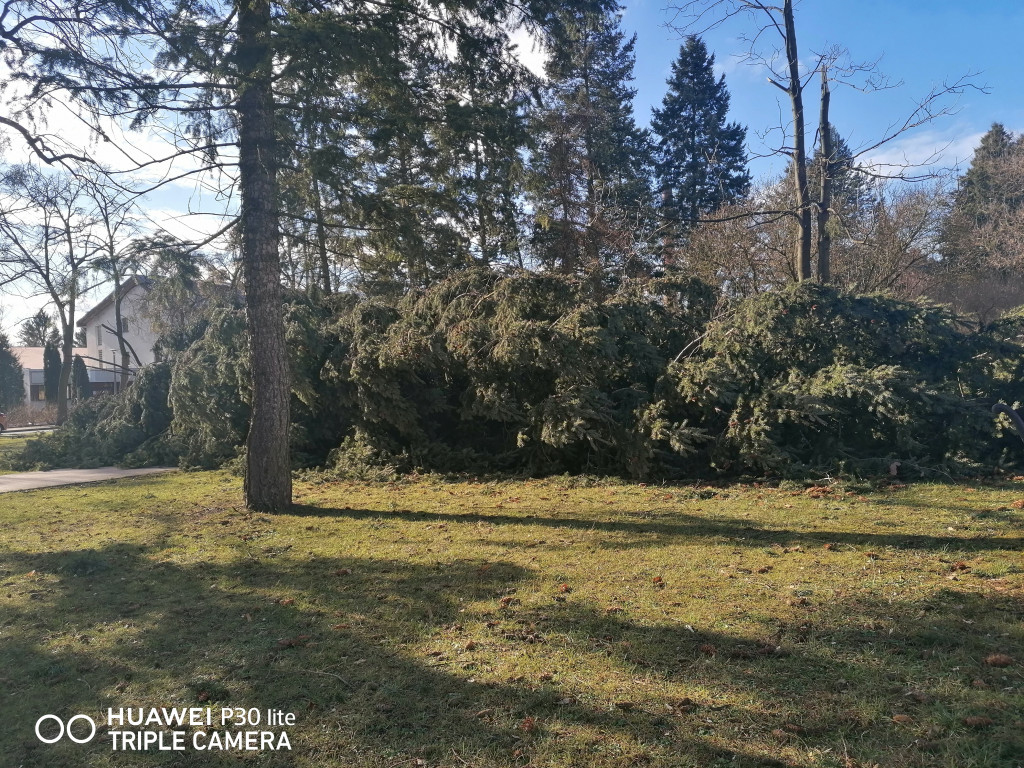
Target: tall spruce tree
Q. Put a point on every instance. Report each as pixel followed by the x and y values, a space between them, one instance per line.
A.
pixel 51 373
pixel 983 181
pixel 12 383
pixel 80 383
pixel 700 162
pixel 983 230
pixel 36 331
pixel 409 169
pixel 590 171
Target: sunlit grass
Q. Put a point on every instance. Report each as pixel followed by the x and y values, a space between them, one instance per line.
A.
pixel 546 623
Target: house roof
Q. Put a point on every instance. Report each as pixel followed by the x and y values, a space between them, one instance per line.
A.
pixel 127 285
pixel 31 358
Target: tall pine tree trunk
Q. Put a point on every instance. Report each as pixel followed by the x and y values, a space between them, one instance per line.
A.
pixel 268 482
pixel 321 238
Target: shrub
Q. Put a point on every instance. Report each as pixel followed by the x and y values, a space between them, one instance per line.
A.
pixel 523 371
pixel 545 374
pixel 809 379
pixel 131 429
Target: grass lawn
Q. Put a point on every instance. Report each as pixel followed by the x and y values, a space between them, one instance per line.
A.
pixel 536 623
pixel 9 446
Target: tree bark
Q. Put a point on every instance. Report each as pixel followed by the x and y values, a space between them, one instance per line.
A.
pixel 67 319
pixel 119 325
pixel 825 200
pixel 803 212
pixel 321 238
pixel 268 481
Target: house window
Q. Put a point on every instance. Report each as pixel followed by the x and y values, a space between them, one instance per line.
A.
pixel 99 337
pixel 100 352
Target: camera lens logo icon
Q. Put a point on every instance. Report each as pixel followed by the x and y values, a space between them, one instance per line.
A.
pixel 63 729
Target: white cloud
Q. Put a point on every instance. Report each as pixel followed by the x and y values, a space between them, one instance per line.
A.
pixel 185 225
pixel 925 150
pixel 736 67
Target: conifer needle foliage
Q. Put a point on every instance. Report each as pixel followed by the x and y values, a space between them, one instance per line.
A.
pixel 489 371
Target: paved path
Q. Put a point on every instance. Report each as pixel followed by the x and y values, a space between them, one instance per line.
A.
pixel 26 481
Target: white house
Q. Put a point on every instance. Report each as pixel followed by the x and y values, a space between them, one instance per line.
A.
pixel 103 352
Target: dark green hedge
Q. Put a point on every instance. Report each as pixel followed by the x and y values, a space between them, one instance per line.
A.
pixel 540 373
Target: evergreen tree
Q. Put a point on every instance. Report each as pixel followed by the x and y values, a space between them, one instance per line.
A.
pixel 590 171
pixel 851 187
pixel 37 330
pixel 855 208
pixel 700 162
pixel 12 382
pixel 984 228
pixel 80 379
pixel 236 74
pixel 483 134
pixel 51 372
pixel 984 181
pixel 411 168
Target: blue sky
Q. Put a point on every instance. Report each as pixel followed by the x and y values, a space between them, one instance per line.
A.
pixel 921 42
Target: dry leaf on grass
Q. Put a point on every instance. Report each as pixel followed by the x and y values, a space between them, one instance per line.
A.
pixel 998 660
pixel 977 721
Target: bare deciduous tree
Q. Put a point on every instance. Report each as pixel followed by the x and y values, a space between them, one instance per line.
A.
pixel 44 246
pixel 781 60
pixel 113 255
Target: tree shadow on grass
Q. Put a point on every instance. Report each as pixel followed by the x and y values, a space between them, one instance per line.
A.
pixel 339 642
pixel 741 532
pixel 836 677
pixel 326 639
